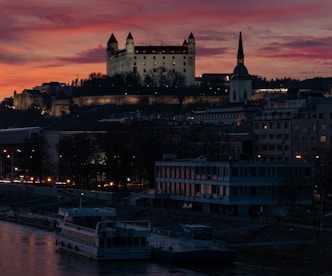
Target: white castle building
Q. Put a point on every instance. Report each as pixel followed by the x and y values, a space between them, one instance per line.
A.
pixel 145 59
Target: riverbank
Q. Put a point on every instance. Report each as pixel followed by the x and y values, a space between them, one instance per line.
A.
pixel 286 243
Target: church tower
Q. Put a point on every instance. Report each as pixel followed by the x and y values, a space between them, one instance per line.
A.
pixel 240 84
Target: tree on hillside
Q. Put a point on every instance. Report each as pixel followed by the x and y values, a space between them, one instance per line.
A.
pixel 161 77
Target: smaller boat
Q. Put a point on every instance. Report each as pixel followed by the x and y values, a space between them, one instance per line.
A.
pixel 194 245
pixel 9 215
pixel 93 233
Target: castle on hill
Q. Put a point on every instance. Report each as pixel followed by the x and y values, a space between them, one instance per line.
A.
pixel 143 60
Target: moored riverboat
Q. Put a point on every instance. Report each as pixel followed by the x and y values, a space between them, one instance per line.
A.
pixel 194 245
pixel 94 233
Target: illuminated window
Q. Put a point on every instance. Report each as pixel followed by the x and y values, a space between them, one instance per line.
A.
pixel 173 62
pixel 154 63
pixel 322 139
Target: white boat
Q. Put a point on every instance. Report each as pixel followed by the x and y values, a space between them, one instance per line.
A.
pixel 93 233
pixel 194 245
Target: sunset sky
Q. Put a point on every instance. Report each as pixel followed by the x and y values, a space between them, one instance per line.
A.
pixel 42 41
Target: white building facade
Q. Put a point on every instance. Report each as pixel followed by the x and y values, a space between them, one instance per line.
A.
pixel 234 187
pixel 145 59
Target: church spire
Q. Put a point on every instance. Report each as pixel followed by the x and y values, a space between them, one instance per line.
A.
pixel 240 55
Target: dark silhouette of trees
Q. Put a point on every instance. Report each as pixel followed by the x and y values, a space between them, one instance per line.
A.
pixel 161 77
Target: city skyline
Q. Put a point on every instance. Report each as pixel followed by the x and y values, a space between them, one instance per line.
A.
pixel 44 41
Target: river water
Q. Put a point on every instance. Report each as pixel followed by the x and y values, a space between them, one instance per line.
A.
pixel 29 251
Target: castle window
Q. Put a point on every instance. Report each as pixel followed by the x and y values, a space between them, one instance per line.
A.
pixel 153 51
pixel 144 63
pixel 173 62
pixel 184 64
pixel 184 70
pixel 163 51
pixel 172 51
pixel 144 70
pixel 144 57
pixel 173 57
pixel 144 51
pixel 134 57
pixel 154 63
pixel 163 57
pixel 154 70
pixel 154 57
pixel 184 57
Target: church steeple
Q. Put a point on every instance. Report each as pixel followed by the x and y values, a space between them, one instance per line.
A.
pixel 240 84
pixel 240 54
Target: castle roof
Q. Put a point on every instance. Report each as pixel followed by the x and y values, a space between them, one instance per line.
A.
pixel 158 50
pixel 112 39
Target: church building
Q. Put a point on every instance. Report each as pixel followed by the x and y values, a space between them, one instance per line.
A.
pixel 240 84
pixel 143 60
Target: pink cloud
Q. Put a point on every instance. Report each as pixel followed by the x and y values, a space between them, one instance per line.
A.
pixel 47 39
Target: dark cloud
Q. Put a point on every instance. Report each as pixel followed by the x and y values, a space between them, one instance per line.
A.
pixel 201 51
pixel 299 47
pixel 95 55
pixel 306 43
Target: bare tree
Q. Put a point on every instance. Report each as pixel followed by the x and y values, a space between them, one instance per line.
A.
pixel 161 77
